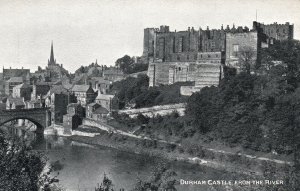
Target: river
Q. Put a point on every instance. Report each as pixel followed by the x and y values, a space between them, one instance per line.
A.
pixel 83 166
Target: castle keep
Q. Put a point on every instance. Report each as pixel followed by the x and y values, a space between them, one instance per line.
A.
pixel 199 55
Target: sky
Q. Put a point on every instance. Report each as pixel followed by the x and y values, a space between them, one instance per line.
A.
pixel 85 30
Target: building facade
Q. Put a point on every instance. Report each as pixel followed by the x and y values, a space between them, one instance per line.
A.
pixel 96 112
pixel 200 55
pixel 15 103
pixel 73 118
pixel 84 94
pixel 107 101
pixel 39 90
pixel 57 99
pixel 276 31
pixel 11 72
pixel 22 91
pixel 11 83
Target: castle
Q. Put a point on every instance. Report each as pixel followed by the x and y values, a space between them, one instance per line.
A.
pixel 200 55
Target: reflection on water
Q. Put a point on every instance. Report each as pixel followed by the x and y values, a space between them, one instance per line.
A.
pixel 82 166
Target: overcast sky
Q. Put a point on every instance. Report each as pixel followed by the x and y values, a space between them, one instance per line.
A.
pixel 85 30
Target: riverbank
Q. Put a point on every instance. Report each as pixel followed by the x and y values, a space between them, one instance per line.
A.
pixel 154 148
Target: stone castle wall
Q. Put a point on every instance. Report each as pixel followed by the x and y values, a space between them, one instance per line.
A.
pixel 237 42
pixel 275 30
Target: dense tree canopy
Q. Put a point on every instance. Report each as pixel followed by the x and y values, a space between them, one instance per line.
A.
pixel 22 168
pixel 258 111
pixel 135 92
pixel 85 69
pixel 129 66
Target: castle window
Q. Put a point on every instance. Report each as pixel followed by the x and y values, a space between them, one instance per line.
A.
pixel 213 44
pixel 208 55
pixel 195 57
pixel 188 57
pixel 174 44
pixel 180 47
pixel 235 49
pixel 161 47
pixel 283 30
pixel 178 57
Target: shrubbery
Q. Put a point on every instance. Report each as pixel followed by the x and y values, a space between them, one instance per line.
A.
pixel 136 93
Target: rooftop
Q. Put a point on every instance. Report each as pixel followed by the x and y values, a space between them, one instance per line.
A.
pixel 16 101
pixel 105 96
pixel 112 71
pixel 101 110
pixel 22 86
pixel 58 89
pixel 15 79
pixel 93 104
pixel 81 88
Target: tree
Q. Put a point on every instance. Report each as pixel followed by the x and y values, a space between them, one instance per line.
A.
pixel 287 52
pixel 247 59
pixel 162 178
pixel 128 65
pixel 22 168
pixel 124 63
pixel 106 185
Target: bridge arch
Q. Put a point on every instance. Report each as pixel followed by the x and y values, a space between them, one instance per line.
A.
pixel 38 116
pixel 39 127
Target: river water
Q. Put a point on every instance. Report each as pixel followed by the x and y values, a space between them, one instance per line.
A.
pixel 83 166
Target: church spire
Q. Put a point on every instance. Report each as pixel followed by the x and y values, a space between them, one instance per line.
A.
pixel 51 61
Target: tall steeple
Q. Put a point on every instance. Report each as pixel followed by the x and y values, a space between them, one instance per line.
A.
pixel 52 60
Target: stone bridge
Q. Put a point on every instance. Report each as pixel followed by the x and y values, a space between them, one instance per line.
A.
pixel 39 116
pixel 152 111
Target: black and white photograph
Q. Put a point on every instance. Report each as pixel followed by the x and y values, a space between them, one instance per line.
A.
pixel 149 95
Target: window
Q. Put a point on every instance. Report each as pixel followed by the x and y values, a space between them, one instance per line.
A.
pixel 180 46
pixel 213 44
pixel 174 41
pixel 235 48
pixel 161 47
